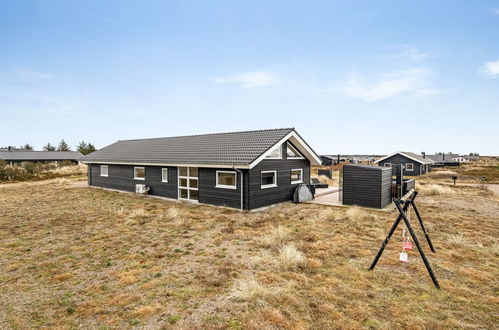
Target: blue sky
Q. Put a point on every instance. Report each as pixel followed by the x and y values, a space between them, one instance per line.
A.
pixel 351 76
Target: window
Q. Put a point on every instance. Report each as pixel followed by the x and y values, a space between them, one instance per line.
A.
pixel 104 170
pixel 164 175
pixel 139 173
pixel 409 167
pixel 291 152
pixel 226 179
pixel 297 176
pixel 276 153
pixel 388 165
pixel 269 179
pixel 188 183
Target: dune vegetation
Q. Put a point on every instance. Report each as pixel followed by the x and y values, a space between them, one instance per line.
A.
pixel 73 256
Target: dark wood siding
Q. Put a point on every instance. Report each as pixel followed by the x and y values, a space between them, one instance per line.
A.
pixel 121 178
pixel 366 186
pixel 402 160
pixel 259 197
pixel 210 194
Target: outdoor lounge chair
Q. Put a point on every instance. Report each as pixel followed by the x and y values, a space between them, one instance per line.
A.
pixel 317 184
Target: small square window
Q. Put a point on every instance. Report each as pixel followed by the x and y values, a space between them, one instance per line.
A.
pixel 139 173
pixel 269 179
pixel 104 170
pixel 388 165
pixel 164 175
pixel 409 167
pixel 226 179
pixel 296 176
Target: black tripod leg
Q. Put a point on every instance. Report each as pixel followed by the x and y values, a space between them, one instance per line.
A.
pixel 421 252
pixel 423 227
pixel 390 233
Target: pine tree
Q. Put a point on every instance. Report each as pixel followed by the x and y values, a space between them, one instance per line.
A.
pixel 82 148
pixel 49 147
pixel 63 146
pixel 27 146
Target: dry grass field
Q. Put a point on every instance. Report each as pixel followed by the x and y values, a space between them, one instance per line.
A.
pixel 73 256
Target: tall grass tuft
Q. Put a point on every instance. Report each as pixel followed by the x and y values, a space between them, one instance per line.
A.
pixel 435 190
pixel 175 214
pixel 276 238
pixel 289 258
pixel 248 289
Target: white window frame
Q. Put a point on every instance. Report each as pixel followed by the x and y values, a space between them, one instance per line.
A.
pixel 107 170
pixel 388 164
pixel 135 173
pixel 225 186
pixel 412 167
pixel 188 188
pixel 273 185
pixel 280 152
pixel 163 179
pixel 289 145
pixel 301 175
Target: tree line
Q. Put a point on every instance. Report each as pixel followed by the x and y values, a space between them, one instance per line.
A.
pixel 83 147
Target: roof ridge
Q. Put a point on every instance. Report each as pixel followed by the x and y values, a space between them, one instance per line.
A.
pixel 206 134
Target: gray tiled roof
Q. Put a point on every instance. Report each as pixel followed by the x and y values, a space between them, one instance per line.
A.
pixel 418 157
pixel 40 155
pixel 236 148
pixel 442 158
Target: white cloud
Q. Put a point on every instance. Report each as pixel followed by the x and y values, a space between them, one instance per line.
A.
pixel 416 81
pixel 250 79
pixel 408 52
pixel 491 69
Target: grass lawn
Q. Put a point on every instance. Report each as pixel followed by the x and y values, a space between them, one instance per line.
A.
pixel 73 256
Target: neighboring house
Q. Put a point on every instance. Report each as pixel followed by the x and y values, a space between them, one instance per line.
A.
pixel 413 163
pixel 267 164
pixel 465 159
pixel 444 159
pixel 328 160
pixel 15 156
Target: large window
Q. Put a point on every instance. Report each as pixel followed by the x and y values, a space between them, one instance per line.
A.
pixel 276 153
pixel 164 175
pixel 104 170
pixel 269 179
pixel 188 183
pixel 409 167
pixel 226 179
pixel 139 173
pixel 291 151
pixel 296 176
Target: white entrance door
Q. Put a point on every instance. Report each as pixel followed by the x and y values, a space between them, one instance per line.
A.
pixel 188 183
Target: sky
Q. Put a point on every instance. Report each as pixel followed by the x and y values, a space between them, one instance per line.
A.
pixel 352 77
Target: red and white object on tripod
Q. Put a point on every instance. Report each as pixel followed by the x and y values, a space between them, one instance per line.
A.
pixel 406 242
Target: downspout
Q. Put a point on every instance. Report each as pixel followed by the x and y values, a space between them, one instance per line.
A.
pixel 242 188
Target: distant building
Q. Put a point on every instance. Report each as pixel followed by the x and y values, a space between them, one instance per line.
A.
pixel 16 156
pixel 328 160
pixel 412 163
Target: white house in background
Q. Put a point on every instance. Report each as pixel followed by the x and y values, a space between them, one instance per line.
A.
pixel 465 159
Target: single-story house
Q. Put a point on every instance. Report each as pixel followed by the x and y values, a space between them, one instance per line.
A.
pixel 328 160
pixel 245 170
pixel 465 159
pixel 412 163
pixel 16 156
pixel 444 160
